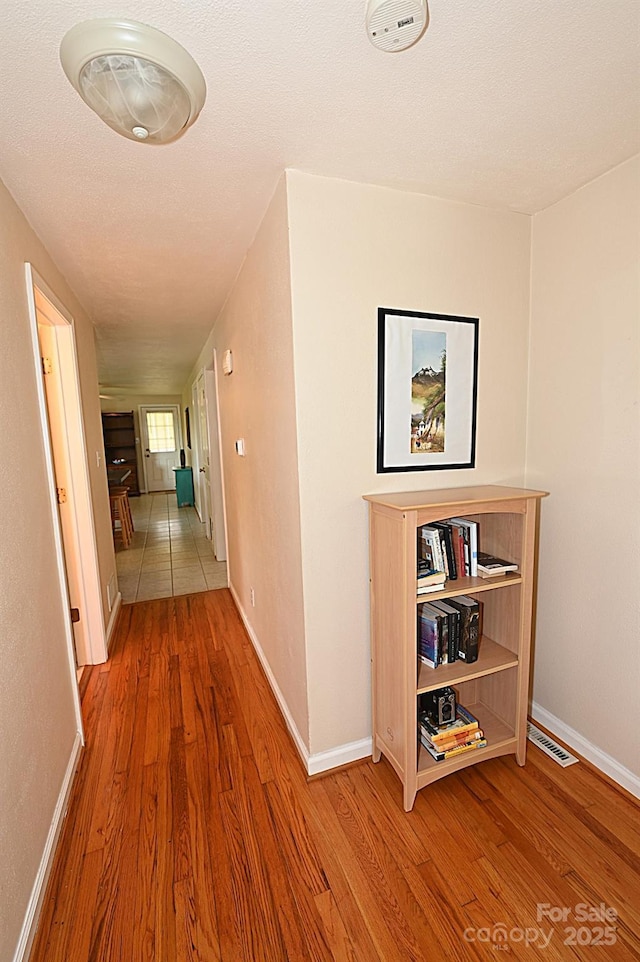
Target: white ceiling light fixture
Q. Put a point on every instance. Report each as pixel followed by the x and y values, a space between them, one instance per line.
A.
pixel 143 84
pixel 394 25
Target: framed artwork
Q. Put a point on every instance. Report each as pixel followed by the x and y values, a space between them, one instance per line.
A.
pixel 427 391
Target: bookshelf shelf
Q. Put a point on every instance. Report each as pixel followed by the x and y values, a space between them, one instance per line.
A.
pixel 119 434
pixel 467 586
pixel 491 659
pixel 501 740
pixel 495 687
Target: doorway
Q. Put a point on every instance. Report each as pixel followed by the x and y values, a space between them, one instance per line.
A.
pixel 203 501
pixel 161 441
pixel 61 417
pixel 218 522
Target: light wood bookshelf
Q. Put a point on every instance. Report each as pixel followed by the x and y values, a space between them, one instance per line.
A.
pixel 495 687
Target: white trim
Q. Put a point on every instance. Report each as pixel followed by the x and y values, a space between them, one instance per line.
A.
pixel 113 618
pixel 322 761
pixel 606 763
pixel 92 648
pixel 30 924
pixel 57 533
pixel 215 452
pixel 342 755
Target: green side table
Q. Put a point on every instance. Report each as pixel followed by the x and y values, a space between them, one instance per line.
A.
pixel 184 486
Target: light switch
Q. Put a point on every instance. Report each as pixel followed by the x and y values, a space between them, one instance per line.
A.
pixel 240 447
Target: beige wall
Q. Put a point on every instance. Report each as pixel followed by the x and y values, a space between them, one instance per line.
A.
pixel 37 722
pixel 257 404
pixel 355 248
pixel 584 446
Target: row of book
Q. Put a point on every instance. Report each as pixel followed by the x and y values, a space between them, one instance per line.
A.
pixel 449 629
pixel 448 550
pixel 446 741
pixel 450 547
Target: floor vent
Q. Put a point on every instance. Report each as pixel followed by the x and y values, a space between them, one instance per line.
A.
pixel 549 747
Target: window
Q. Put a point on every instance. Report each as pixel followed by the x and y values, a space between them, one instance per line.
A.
pixel 161 433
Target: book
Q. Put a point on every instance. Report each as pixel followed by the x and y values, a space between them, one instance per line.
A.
pixel 446 538
pixel 470 529
pixel 453 616
pixel 457 533
pixel 449 743
pixel 426 575
pixel 490 566
pixel 451 753
pixel 468 641
pixel 453 742
pixel 428 638
pixel 431 612
pixel 430 547
pixel 426 589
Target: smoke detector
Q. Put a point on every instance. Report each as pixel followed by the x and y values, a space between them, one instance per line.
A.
pixel 394 25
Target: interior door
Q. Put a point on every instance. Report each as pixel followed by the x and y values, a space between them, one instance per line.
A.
pixel 204 480
pixel 59 450
pixel 160 427
pixel 195 447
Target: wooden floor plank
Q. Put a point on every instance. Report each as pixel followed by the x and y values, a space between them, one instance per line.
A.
pixel 194 835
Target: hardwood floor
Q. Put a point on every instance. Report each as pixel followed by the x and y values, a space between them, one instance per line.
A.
pixel 194 834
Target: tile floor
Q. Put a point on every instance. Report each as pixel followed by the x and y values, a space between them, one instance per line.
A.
pixel 169 554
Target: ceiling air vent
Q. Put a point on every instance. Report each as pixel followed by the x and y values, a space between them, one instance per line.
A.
pixel 396 24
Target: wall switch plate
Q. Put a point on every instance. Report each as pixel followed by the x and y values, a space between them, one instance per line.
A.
pixel 240 447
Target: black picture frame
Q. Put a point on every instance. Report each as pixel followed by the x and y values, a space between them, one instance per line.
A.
pixel 426 413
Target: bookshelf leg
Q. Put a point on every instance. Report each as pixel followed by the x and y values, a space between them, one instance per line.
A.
pixel 521 755
pixel 409 798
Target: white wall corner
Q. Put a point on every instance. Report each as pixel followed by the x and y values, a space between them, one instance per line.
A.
pixel 605 763
pixel 322 761
pixel 30 924
pixel 284 708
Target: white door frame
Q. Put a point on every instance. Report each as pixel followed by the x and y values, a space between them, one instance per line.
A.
pixel 195 447
pixel 215 458
pixel 91 647
pixel 144 437
pixel 82 508
pixel 203 478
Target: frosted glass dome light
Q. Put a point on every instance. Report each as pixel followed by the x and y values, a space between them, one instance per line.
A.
pixel 143 84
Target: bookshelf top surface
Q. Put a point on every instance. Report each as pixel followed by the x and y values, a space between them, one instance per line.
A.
pixel 413 500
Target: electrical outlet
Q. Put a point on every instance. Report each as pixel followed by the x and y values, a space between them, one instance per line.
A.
pixel 252 595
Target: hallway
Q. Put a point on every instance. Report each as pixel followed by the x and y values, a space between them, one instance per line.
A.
pixel 169 555
pixel 194 835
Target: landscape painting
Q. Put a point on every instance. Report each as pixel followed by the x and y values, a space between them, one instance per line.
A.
pixel 428 391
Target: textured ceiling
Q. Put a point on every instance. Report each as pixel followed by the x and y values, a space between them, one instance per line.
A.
pixel 507 104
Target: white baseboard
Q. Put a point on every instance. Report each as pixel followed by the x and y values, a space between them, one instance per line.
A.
pixel 32 916
pixel 342 755
pixel 113 618
pixel 606 763
pixel 322 761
